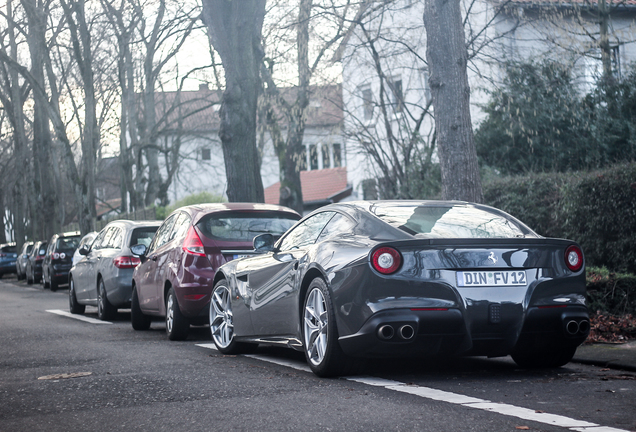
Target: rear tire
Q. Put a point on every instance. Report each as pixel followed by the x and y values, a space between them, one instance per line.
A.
pixel 73 306
pixel 137 318
pixel 177 325
pixel 320 335
pixel 105 310
pixel 54 285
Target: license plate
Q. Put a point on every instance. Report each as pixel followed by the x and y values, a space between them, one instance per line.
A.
pixel 491 278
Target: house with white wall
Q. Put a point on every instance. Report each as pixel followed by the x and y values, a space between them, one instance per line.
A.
pixel 385 76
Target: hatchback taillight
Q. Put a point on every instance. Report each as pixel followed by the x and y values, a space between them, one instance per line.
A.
pixel 125 262
pixel 574 258
pixel 386 260
pixel 193 244
pixel 60 255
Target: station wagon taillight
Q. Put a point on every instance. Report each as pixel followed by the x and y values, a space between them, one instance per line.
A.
pixel 386 260
pixel 193 244
pixel 574 258
pixel 125 262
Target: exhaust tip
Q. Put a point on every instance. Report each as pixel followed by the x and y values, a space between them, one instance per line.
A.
pixel 572 327
pixel 386 332
pixel 584 326
pixel 407 332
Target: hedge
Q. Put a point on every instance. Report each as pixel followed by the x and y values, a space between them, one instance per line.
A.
pixel 596 209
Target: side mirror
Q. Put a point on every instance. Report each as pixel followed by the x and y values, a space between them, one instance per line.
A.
pixel 263 243
pixel 84 250
pixel 140 251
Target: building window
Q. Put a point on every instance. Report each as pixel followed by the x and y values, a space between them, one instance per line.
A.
pixel 337 156
pixel 313 157
pixel 397 97
pixel 369 189
pixel 367 102
pixel 206 154
pixel 326 156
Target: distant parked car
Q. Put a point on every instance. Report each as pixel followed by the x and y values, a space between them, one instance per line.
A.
pixel 8 255
pixel 103 278
pixel 176 275
pixel 86 240
pixel 34 263
pixel 58 259
pixel 21 260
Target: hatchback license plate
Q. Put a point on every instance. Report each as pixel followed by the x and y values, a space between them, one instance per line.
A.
pixel 491 278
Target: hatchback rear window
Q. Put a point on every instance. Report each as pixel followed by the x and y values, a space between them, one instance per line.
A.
pixel 244 226
pixel 450 221
pixel 9 249
pixel 67 243
pixel 142 236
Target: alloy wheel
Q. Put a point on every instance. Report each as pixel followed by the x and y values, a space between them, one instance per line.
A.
pixel 221 318
pixel 316 326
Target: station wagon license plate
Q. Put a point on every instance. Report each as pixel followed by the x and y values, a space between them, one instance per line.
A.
pixel 491 278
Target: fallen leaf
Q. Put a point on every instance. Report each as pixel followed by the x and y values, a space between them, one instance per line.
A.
pixel 65 375
pixel 522 427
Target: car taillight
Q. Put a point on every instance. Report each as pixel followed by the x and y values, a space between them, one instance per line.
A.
pixel 61 255
pixel 125 262
pixel 2 255
pixel 193 244
pixel 386 260
pixel 574 258
pixel 39 257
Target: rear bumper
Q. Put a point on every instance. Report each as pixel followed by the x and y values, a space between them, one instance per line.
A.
pixel 448 332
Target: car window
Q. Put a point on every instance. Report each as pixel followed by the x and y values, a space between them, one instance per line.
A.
pixel 142 236
pixel 105 239
pixel 115 240
pixel 67 243
pixel 51 247
pixel 244 226
pixel 163 233
pixel 458 221
pixel 306 233
pixel 9 249
pixel 100 237
pixel 181 226
pixel 338 225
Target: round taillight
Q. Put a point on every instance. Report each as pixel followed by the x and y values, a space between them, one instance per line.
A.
pixel 62 255
pixel 386 260
pixel 574 258
pixel 56 256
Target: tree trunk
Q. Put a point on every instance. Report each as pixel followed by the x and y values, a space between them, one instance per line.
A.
pixel 447 59
pixel 235 29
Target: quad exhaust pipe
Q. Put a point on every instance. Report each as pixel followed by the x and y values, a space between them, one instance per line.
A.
pixel 387 332
pixel 577 327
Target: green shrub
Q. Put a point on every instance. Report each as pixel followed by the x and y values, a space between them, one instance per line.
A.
pixel 609 292
pixel 597 210
pixel 197 198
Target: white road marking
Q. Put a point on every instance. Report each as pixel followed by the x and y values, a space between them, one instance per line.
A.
pixel 77 317
pixel 454 398
pixel 208 346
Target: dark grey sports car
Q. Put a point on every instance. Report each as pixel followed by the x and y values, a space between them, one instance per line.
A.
pixel 403 278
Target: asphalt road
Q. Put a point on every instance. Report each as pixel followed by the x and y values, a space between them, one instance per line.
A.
pixel 120 379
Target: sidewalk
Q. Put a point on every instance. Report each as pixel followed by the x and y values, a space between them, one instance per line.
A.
pixel 615 356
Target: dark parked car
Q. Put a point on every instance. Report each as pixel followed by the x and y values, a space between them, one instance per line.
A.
pixel 34 263
pixel 175 277
pixel 59 259
pixel 21 260
pixel 103 278
pixel 8 255
pixel 402 278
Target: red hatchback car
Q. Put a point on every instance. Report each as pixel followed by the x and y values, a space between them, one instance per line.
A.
pixel 176 276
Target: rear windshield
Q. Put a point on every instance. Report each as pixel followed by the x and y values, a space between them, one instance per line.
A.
pixel 67 243
pixel 142 236
pixel 244 226
pixel 9 249
pixel 450 221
